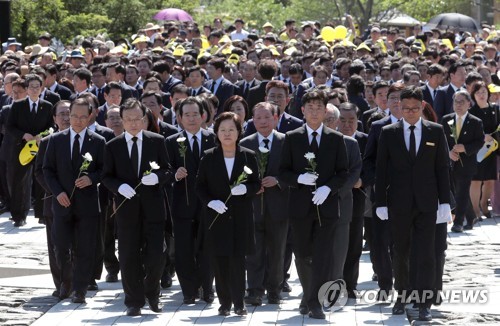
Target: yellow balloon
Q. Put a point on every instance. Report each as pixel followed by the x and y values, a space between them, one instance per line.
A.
pixel 327 33
pixel 339 33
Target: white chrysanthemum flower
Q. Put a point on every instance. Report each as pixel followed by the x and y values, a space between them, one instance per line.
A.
pixel 263 150
pixel 87 157
pixel 154 165
pixel 310 156
pixel 247 170
pixel 181 139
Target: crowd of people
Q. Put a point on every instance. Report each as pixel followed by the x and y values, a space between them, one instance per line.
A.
pixel 217 154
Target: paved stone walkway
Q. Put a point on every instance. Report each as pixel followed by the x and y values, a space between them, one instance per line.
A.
pixel 473 262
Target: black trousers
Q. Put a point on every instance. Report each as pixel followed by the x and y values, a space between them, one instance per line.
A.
pixel 141 250
pixel 38 194
pixel 4 184
pixel 19 180
pixel 381 250
pixel 417 228
pixel 265 267
pixel 463 209
pixel 230 280
pixel 355 246
pixel 74 240
pixel 99 245
pixel 55 271
pixel 313 252
pixel 111 262
pixel 192 266
pixel 288 254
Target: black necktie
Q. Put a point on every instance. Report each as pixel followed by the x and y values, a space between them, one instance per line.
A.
pixel 314 143
pixel 134 156
pixel 212 89
pixel 247 88
pixel 413 145
pixel 266 143
pixel 75 152
pixel 33 111
pixel 196 149
pixel 193 92
pixel 435 92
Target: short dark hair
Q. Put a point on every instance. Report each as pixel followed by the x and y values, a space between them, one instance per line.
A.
pixel 395 87
pixel 30 77
pixel 180 88
pixel 218 63
pixel 228 116
pixel 265 105
pixel 355 85
pixel 267 68
pixel 193 69
pixel 233 99
pixel 59 103
pixel 454 66
pixel 161 66
pixel 151 80
pixel 111 85
pixel 152 93
pixel 296 69
pixel 117 67
pixel 315 95
pixel 477 86
pixel 378 85
pixel 130 104
pixel 412 92
pixel 472 77
pixel 436 69
pixel 347 106
pixel 190 100
pixel 277 84
pixel 83 102
pixel 90 98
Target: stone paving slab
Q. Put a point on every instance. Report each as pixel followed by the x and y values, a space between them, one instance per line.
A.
pixel 26 287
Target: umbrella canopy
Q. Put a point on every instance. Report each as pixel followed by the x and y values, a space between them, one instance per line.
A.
pixel 456 21
pixel 173 14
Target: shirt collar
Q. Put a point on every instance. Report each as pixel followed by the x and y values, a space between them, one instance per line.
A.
pixel 418 125
pixel 310 130
pixel 219 80
pixel 31 103
pixel 464 116
pixel 81 133
pixel 129 136
pixel 393 119
pixel 190 136
pixel 261 138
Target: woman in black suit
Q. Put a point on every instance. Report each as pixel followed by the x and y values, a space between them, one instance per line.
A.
pixel 228 210
pixel 484 180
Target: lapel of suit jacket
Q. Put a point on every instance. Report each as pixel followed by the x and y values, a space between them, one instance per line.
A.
pixel 146 145
pixel 86 144
pixel 325 134
pixel 204 142
pixel 424 138
pixel 400 135
pixel 465 125
pixel 66 150
pixel 127 154
pixel 239 161
pixel 274 155
pixel 219 161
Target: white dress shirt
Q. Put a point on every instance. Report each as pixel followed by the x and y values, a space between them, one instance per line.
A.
pixel 318 136
pixel 190 138
pixel 72 135
pixel 261 140
pixel 130 142
pixel 229 166
pixel 417 131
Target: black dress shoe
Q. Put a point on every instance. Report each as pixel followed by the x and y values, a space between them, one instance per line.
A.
pixel 457 228
pixel 111 278
pixel 273 298
pixel 188 300
pixel 64 292
pixel 133 311
pixel 154 305
pixel 224 312
pixel 19 223
pixel 240 311
pixel 286 287
pixel 316 313
pixel 303 309
pixel 253 299
pixel 468 227
pixel 55 293
pixel 166 281
pixel 41 220
pixel 92 286
pixel 383 295
pixel 375 277
pixel 424 314
pixel 351 294
pixel 399 308
pixel 78 297
pixel 208 298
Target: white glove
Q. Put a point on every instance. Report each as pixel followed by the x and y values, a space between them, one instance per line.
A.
pixel 150 179
pixel 443 214
pixel 126 191
pixel 308 179
pixel 217 206
pixel 320 195
pixel 382 213
pixel 239 190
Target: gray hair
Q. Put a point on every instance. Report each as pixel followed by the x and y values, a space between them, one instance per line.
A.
pixel 332 108
pixel 464 93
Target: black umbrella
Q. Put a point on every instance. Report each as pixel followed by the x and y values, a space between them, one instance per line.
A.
pixel 456 21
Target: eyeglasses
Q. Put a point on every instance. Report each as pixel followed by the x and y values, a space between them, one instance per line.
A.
pixel 33 87
pixel 414 110
pixel 460 102
pixel 133 121
pixel 394 98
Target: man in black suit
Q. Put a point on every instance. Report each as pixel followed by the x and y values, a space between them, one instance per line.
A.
pixel 52 84
pixel 436 74
pixel 179 92
pixel 381 242
pixel 443 101
pixel 463 150
pixel 61 119
pixel 98 82
pixel 193 268
pixel 412 168
pixel 277 93
pixel 76 208
pixel 27 119
pixel 380 90
pixel 82 78
pixel 46 94
pixel 140 219
pixel 248 71
pixel 6 97
pixel 218 85
pixel 267 70
pixel 196 78
pixel 265 267
pixel 152 101
pixel 116 72
pixel 168 81
pixel 112 96
pixel 314 196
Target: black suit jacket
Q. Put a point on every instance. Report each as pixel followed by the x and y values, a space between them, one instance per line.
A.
pixel 63 91
pixel 401 181
pixel 104 132
pixel 427 95
pixel 100 96
pixel 60 176
pixel 180 209
pixel 362 140
pixel 167 130
pixel 101 114
pixel 241 88
pixel 471 136
pixel 443 103
pixel 275 198
pixel 232 233
pixel 288 123
pixel 370 153
pixel 201 90
pixel 38 172
pixel 170 83
pixel 20 122
pixel 128 92
pixel 51 97
pixel 149 200
pixel 167 117
pixel 332 168
pixel 225 90
pixel 257 94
